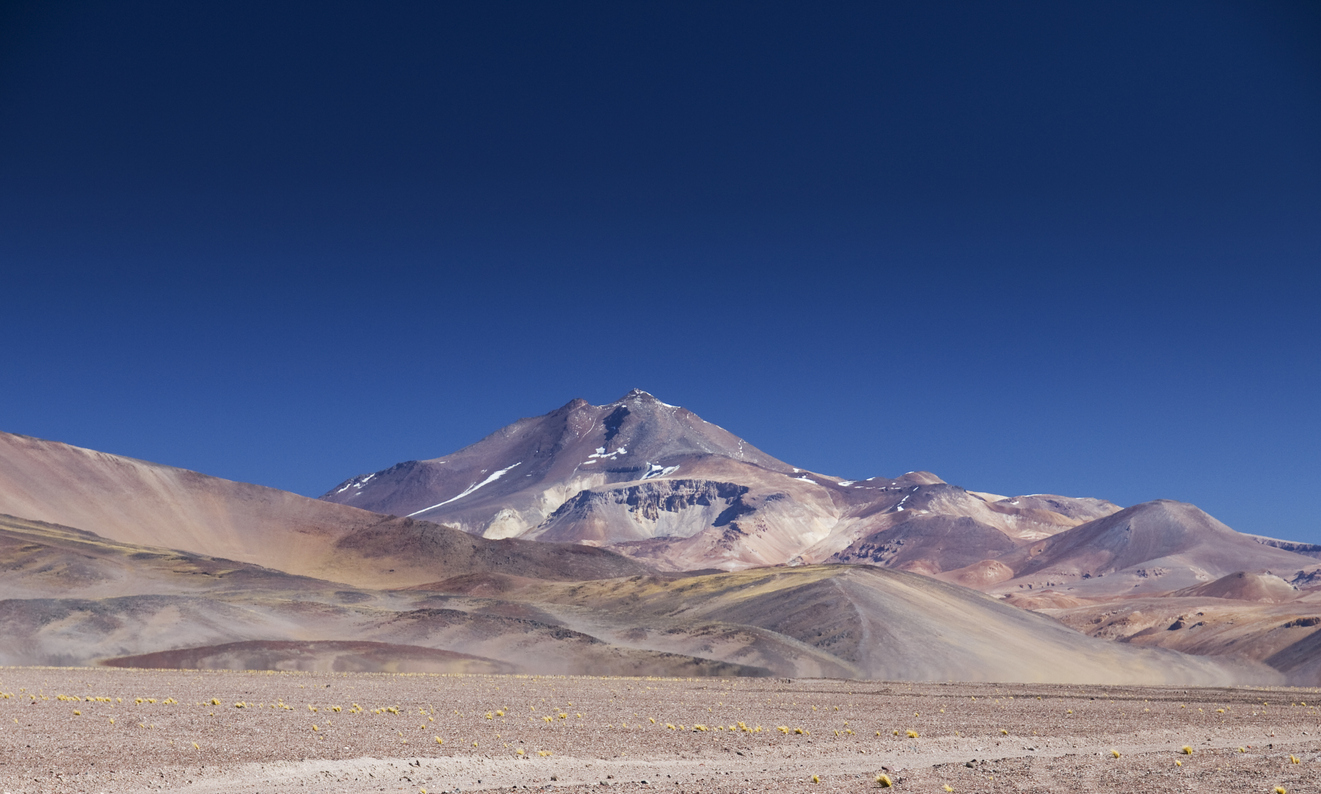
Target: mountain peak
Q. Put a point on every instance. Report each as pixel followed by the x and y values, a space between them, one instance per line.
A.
pixel 638 395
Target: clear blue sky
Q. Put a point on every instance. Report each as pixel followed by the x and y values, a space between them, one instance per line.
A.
pixel 1054 247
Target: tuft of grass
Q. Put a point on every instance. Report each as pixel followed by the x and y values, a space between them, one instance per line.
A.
pixel 912 734
pixel 816 778
pixel 1186 750
pixel 883 780
pixel 1293 759
pixel 1114 753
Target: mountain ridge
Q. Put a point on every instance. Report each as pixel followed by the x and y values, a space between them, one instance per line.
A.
pixel 634 538
pixel 657 482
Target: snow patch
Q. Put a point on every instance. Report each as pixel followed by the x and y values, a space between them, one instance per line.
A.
pixel 492 478
pixel 356 482
pixel 656 470
pixel 805 478
pixel 601 454
pixel 844 483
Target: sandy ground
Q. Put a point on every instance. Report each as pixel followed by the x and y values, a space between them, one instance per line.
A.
pixel 93 730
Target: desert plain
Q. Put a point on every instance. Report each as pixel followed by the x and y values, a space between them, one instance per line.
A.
pixel 129 730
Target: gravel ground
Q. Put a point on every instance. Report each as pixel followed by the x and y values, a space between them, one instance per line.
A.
pixel 92 730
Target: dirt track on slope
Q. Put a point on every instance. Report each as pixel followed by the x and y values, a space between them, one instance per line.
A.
pixel 131 730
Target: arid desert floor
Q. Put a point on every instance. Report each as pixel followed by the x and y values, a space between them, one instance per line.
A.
pixel 72 729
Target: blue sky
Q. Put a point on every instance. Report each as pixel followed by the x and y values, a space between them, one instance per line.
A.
pixel 1044 247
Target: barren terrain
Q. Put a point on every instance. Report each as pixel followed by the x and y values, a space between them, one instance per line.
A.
pixel 75 730
pixel 72 598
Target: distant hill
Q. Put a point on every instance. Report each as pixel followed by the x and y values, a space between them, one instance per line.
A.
pixel 1153 547
pixel 143 503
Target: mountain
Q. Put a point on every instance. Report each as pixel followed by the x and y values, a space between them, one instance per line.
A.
pixel 656 482
pixel 636 469
pixel 136 502
pixel 702 500
pixel 1154 547
pixel 648 542
pixel 575 447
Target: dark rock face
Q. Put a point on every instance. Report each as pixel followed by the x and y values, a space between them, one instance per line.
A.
pixel 613 421
pixel 1302 623
pixel 648 501
pixel 1308 549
